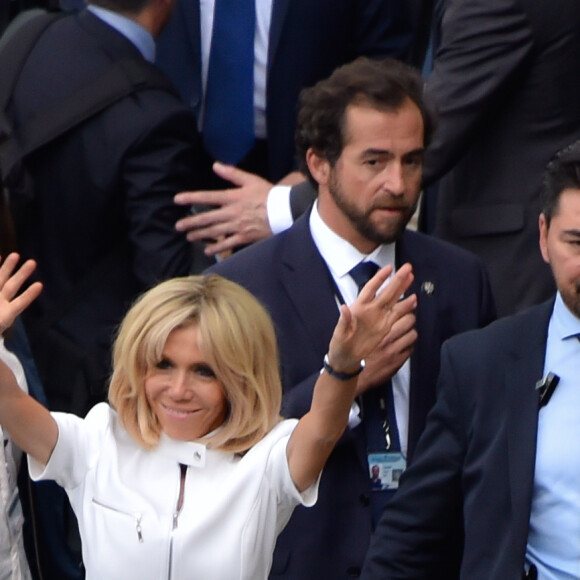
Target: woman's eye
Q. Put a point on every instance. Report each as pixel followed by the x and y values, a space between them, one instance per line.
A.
pixel 163 364
pixel 205 371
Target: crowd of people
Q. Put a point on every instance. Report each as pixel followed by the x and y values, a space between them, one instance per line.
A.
pixel 242 360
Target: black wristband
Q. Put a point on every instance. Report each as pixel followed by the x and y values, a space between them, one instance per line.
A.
pixel 340 375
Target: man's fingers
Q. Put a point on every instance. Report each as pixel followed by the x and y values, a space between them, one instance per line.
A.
pixel 203 220
pixel 210 233
pixel 217 197
pixel 231 173
pixel 225 244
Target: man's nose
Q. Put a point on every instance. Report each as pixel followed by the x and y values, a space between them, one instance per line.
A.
pixel 394 178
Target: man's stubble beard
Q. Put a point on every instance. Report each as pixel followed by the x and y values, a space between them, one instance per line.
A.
pixel 361 221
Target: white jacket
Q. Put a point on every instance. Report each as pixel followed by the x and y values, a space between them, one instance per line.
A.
pixel 13 564
pixel 125 499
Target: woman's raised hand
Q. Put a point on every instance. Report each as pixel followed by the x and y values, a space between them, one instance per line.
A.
pixel 364 323
pixel 11 280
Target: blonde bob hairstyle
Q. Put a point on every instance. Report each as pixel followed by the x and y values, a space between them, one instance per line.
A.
pixel 237 340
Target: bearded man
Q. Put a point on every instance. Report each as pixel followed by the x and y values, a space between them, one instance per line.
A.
pixel 360 139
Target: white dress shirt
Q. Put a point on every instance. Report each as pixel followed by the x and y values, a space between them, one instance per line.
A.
pixel 340 257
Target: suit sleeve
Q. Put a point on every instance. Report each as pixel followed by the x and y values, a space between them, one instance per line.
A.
pixel 166 160
pixel 484 48
pixel 302 196
pixel 420 535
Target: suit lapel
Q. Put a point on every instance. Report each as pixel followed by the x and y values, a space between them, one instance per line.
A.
pixel 189 13
pixel 279 9
pixel 426 318
pixel 524 367
pixel 307 282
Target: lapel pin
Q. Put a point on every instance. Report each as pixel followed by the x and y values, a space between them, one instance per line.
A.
pixel 428 287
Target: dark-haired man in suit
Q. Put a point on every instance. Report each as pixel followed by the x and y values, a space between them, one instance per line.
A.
pixel 499 456
pixel 361 137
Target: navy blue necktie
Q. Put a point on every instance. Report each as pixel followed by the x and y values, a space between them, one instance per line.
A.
pixel 228 125
pixel 362 273
pixel 372 402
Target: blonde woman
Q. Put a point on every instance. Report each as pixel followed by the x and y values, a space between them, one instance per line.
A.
pixel 190 472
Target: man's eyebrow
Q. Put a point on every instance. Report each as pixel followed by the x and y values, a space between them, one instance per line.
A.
pixel 574 232
pixel 415 152
pixel 369 152
pixel 412 153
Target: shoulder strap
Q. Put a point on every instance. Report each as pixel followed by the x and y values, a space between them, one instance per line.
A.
pixel 122 78
pixel 15 46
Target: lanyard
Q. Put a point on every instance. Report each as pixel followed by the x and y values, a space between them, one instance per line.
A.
pixel 385 423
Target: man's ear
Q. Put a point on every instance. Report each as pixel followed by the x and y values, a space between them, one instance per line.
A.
pixel 318 166
pixel 544 228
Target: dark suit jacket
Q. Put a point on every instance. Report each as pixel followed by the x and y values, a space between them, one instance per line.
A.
pixel 308 40
pixel 103 210
pixel 507 102
pixel 290 278
pixel 476 456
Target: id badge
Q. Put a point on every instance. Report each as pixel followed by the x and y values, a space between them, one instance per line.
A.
pixel 385 469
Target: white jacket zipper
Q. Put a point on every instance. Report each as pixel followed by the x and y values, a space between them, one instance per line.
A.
pixel 178 508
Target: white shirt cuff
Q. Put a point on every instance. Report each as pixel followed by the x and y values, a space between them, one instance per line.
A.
pixel 278 208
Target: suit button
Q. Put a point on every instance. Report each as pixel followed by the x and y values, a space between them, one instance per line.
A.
pixel 364 499
pixel 353 572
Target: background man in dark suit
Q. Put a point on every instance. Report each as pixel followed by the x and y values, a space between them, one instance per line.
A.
pixel 507 100
pixel 361 138
pixel 498 457
pixel 101 223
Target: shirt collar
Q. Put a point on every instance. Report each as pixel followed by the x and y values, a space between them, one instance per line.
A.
pixel 132 31
pixel 341 256
pixel 564 324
